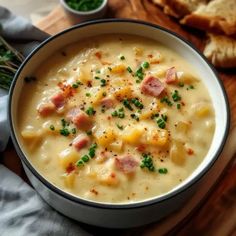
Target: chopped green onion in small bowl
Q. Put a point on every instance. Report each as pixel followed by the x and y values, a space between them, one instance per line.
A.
pixel 82 10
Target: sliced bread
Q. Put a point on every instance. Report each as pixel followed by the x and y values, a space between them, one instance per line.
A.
pixel 221 51
pixel 217 16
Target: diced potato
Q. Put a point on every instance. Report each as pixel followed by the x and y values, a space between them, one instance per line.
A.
pixel 158 137
pixel 202 110
pixel 116 146
pixel 186 78
pixel 182 127
pixel 138 51
pixel 97 97
pixel 67 157
pixel 29 134
pixel 83 76
pixel 118 69
pixel 132 136
pixel 123 92
pixel 105 137
pixel 160 72
pixel 109 178
pixel 32 138
pixel 178 153
pixel 156 58
pixel 69 179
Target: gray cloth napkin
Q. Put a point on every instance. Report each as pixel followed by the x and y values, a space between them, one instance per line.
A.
pixel 22 211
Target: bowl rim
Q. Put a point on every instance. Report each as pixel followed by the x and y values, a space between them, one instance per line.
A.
pixel 104 205
pixel 83 13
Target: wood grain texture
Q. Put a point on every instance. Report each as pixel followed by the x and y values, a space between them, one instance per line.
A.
pixel 217 215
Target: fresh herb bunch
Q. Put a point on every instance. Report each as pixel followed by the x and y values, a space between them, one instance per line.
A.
pixel 10 60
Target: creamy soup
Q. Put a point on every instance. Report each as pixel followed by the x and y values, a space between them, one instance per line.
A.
pixel 115 118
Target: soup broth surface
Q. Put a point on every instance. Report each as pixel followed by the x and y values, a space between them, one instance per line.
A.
pixel 115 118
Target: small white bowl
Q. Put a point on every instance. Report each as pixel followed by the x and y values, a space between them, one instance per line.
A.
pixel 78 16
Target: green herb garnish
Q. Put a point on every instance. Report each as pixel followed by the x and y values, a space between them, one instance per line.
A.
pixel 122 58
pixel 163 171
pixel 103 82
pixel 85 158
pixel 121 127
pixel 176 97
pixel 145 65
pixel 147 162
pixel 52 127
pixel 65 132
pixel 167 101
pixel 137 103
pixel 161 122
pixel 134 116
pixel 88 94
pixel 73 130
pixel 129 69
pixel 84 5
pixel 96 77
pixel 126 103
pixel 90 111
pixel 139 73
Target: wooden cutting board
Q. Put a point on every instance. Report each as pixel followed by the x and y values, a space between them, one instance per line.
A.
pixel 206 213
pixel 221 200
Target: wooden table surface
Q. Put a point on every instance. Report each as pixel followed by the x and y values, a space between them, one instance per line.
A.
pixel 217 214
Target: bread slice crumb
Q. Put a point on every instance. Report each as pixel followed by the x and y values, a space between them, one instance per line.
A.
pixel 221 51
pixel 217 16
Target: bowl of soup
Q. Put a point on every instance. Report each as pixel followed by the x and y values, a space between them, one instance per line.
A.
pixel 116 121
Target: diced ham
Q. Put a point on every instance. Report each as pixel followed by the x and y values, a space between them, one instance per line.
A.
pixel 79 118
pixel 58 100
pixel 152 86
pixel 171 76
pixel 46 109
pixel 107 102
pixel 126 164
pixel 81 141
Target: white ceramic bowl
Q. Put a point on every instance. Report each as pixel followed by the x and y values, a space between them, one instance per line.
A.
pixel 132 214
pixel 75 16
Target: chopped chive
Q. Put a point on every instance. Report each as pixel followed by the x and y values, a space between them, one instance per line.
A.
pixel 75 85
pixel 85 158
pixel 121 127
pixel 129 69
pixel 163 171
pixel 114 113
pixel 65 132
pixel 103 82
pixel 178 106
pixel 176 97
pixel 109 68
pixel 80 163
pixel 88 95
pixel 134 116
pixel 181 84
pixel 167 101
pixel 52 127
pixel 127 104
pixel 73 130
pixel 89 132
pixel 90 111
pixel 122 58
pixel 96 77
pixel 98 71
pixel 137 103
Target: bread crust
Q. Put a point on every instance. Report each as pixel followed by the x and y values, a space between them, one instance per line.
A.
pixel 221 51
pixel 212 24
